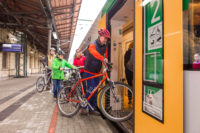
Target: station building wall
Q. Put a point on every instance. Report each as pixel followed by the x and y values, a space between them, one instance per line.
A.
pixel 8 59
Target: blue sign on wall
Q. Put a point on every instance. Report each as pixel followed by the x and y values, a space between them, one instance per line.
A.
pixel 11 48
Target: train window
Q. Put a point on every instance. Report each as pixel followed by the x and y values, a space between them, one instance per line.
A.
pixel 191 35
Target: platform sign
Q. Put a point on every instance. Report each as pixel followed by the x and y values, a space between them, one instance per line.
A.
pixel 153 59
pixel 11 47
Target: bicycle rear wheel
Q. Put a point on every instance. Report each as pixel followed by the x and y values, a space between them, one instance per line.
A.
pixel 40 84
pixel 67 108
pixel 116 103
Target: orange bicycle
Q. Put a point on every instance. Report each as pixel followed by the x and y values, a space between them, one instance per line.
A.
pixel 114 100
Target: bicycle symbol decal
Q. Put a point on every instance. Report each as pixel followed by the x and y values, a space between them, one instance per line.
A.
pixel 155 37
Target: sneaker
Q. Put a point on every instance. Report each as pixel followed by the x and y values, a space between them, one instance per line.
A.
pixel 94 113
pixel 83 112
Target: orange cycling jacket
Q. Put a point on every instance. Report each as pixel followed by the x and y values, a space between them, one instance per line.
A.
pixel 95 57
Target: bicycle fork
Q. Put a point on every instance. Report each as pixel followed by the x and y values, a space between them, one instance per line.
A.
pixel 112 86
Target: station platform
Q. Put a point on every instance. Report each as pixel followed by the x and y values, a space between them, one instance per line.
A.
pixel 23 110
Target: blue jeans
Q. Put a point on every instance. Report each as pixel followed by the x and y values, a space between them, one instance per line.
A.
pixel 91 84
pixel 56 87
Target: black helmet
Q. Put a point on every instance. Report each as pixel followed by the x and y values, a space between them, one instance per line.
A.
pixel 61 52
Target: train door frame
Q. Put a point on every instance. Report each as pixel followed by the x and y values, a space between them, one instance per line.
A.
pixel 109 16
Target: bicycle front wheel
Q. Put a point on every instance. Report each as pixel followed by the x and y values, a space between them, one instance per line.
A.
pixel 66 105
pixel 116 102
pixel 40 84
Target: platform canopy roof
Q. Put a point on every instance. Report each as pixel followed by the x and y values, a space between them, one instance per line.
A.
pixel 37 17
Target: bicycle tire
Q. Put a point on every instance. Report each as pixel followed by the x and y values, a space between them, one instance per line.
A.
pixel 105 112
pixel 66 90
pixel 40 84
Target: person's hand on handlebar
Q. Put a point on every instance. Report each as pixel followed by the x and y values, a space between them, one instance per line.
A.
pixel 61 68
pixel 75 68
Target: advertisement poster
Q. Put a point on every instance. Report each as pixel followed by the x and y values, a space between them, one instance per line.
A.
pixel 153 69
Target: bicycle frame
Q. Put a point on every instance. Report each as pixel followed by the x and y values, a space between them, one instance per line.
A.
pixel 105 74
pixel 47 77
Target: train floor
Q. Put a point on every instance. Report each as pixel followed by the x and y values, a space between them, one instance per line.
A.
pixel 23 110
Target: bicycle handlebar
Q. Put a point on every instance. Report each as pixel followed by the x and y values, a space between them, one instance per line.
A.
pixel 108 65
pixel 81 67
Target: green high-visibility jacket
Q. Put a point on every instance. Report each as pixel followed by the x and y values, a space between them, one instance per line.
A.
pixel 56 65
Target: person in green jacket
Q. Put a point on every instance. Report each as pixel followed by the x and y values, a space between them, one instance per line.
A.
pixel 58 66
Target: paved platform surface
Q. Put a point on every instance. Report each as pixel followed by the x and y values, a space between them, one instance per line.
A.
pixel 82 124
pixel 23 110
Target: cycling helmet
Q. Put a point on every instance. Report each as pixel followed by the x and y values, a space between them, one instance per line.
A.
pixel 61 52
pixel 53 49
pixel 104 32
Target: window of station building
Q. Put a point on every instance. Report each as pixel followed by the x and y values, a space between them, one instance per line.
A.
pixel 191 34
pixel 4 60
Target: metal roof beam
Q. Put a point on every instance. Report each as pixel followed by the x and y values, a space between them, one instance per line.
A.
pixel 62 8
pixel 24 17
pixel 29 25
pixel 64 27
pixel 61 13
pixel 64 38
pixel 64 18
pixel 29 18
pixel 52 16
pixel 27 2
pixel 21 13
pixel 74 4
pixel 65 32
pixel 61 24
pixel 43 8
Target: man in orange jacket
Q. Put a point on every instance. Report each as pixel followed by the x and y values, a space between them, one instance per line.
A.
pixel 93 66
